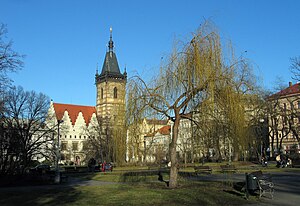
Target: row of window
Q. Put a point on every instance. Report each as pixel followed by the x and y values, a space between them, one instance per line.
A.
pixel 80 137
pixel 115 93
pixel 292 105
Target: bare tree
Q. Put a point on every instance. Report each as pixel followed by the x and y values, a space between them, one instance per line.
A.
pixel 99 144
pixel 10 61
pixel 24 133
pixel 295 67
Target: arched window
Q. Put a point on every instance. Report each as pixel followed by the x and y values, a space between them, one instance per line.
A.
pixel 115 93
pixel 101 93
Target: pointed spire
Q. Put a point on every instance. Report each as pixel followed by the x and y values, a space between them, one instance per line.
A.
pixel 97 69
pixel 110 43
pixel 110 68
pixel 125 73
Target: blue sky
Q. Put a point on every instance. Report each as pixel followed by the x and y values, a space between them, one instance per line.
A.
pixel 64 40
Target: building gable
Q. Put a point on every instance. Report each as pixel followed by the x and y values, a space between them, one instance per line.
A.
pixel 74 111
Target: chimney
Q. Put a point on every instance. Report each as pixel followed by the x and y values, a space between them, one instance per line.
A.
pixel 290 84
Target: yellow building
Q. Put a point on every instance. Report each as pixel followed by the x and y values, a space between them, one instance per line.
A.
pixel 284 120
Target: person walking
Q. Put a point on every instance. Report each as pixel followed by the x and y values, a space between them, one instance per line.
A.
pixel 103 166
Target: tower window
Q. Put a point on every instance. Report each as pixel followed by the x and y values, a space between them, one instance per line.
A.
pixel 115 93
pixel 101 93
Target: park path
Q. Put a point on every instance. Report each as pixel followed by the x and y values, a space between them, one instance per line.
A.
pixel 286 184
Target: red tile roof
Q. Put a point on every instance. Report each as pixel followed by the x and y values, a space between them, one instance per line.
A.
pixel 291 90
pixel 73 110
pixel 166 130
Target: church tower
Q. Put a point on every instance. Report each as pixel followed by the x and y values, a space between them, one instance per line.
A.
pixel 111 84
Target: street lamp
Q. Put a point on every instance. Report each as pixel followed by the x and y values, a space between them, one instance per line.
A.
pixel 57 157
pixel 261 138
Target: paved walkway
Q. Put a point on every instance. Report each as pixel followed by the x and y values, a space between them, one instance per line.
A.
pixel 287 187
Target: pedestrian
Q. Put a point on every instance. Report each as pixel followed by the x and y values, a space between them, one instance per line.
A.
pixel 278 160
pixel 289 162
pixel 264 162
pixel 103 166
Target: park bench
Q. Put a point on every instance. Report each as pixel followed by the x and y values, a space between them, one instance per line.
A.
pixel 202 170
pixel 228 169
pixel 161 179
pixel 296 163
pixel 257 181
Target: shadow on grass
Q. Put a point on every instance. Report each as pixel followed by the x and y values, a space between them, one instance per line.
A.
pixel 39 196
pixel 38 189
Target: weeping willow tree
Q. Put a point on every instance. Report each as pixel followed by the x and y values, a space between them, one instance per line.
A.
pixel 135 113
pixel 227 113
pixel 234 121
pixel 191 76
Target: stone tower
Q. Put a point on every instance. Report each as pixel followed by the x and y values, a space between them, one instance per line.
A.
pixel 111 86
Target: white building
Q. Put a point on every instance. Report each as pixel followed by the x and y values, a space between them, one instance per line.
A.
pixel 77 121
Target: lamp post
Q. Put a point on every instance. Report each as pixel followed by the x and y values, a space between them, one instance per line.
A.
pixel 261 138
pixel 57 157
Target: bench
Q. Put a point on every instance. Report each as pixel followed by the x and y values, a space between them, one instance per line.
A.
pixel 296 163
pixel 228 169
pixel 161 179
pixel 257 181
pixel 202 170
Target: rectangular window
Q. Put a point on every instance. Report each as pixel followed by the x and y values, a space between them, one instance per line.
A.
pixel 75 146
pixel 63 146
pixel 292 105
pixel 284 106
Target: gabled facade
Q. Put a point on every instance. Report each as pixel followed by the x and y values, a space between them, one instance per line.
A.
pixel 76 122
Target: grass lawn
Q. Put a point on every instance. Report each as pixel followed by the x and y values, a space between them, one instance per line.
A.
pixel 151 193
pixel 134 190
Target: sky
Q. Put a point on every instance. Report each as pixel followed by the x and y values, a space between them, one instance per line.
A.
pixel 65 40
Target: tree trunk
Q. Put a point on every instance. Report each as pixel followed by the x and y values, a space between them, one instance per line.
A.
pixel 173 155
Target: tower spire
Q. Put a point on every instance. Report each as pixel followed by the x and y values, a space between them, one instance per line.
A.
pixel 110 43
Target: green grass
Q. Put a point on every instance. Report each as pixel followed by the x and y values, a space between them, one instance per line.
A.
pixel 152 193
pixel 118 177
pixel 135 190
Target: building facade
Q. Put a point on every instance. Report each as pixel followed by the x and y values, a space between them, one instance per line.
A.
pixel 79 122
pixel 76 123
pixel 284 121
